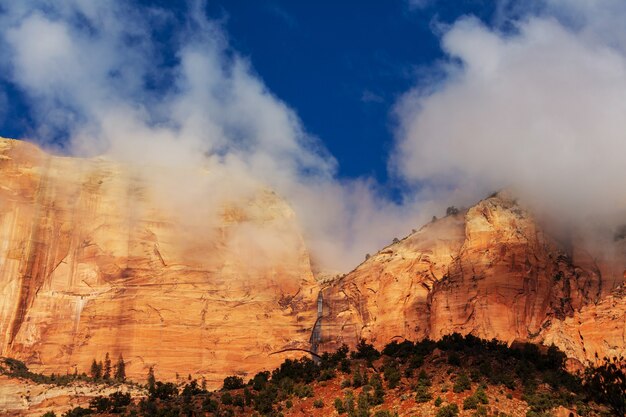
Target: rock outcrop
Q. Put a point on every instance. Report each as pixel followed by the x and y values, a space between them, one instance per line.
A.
pixel 98 257
pixel 489 271
pixel 94 260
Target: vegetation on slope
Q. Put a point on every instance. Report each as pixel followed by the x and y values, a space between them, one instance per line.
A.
pixel 456 376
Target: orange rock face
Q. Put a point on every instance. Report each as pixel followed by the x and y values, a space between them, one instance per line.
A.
pixel 91 263
pixel 490 272
pixel 96 257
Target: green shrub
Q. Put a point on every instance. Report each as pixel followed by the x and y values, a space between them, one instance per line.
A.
pixel 450 410
pixel 392 374
pixel 339 406
pixel 303 391
pixel 77 412
pixel 470 403
pixel 438 401
pixel 480 412
pixel 357 378
pixel 365 351
pixel 461 384
pixel 423 378
pixel 238 401
pixel 318 403
pixel 233 382
pixel 378 397
pixel 363 406
pixel 227 399
pixel 423 394
pixel 607 384
pixel 481 395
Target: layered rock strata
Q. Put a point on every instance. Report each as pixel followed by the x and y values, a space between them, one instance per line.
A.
pixel 93 261
pixel 489 271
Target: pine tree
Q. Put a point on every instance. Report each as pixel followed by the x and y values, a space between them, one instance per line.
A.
pixel 107 367
pixel 151 380
pixel 378 397
pixel 120 369
pixel 96 370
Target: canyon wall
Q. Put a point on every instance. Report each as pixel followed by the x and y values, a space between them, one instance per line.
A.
pixel 90 264
pixel 98 257
pixel 489 271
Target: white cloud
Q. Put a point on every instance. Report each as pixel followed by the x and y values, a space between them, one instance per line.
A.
pixel 83 66
pixel 541 110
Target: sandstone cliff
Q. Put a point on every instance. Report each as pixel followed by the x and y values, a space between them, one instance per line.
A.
pixel 97 257
pixel 92 261
pixel 490 271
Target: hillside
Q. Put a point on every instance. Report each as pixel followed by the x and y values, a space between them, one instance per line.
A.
pixel 462 376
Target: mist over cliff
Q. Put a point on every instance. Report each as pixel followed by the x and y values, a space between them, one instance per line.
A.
pixel 533 101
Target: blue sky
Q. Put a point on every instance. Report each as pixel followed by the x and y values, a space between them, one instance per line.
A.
pixel 340 65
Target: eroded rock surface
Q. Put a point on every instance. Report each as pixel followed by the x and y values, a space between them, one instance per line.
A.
pixel 92 261
pixel 489 271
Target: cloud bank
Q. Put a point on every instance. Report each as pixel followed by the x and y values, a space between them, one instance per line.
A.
pixel 96 73
pixel 539 108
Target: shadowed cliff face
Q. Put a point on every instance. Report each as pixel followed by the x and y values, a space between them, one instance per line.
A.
pixel 91 263
pixel 490 271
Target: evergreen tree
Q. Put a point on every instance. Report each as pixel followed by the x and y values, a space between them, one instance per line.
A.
pixel 120 369
pixel 96 370
pixel 363 406
pixel 107 367
pixel 152 380
pixel 378 397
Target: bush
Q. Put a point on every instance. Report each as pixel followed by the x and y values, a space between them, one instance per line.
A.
pixel 303 391
pixel 357 378
pixel 326 375
pixel 461 384
pixel 452 211
pixel 378 397
pixel 349 403
pixel 339 406
pixel 260 380
pixel 470 403
pixel 318 403
pixel 384 413
pixel 77 412
pixel 423 394
pixel 227 399
pixel 481 395
pixel 233 382
pixel 164 391
pixel 607 383
pixel 450 410
pixel 454 359
pixel 392 374
pixel 438 401
pixel 540 402
pixel 423 378
pixel 238 401
pixel 365 351
pixel 481 411
pixel 363 406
